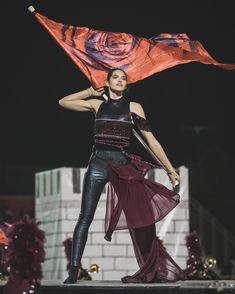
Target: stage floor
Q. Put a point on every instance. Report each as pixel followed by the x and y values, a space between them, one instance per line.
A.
pixel 116 287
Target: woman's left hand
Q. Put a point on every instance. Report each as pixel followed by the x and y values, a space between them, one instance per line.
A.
pixel 95 92
pixel 174 178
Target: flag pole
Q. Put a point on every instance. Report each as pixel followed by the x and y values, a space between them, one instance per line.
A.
pixel 148 149
pixel 151 152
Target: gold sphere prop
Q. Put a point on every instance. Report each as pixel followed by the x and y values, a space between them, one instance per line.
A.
pixel 209 263
pixel 94 268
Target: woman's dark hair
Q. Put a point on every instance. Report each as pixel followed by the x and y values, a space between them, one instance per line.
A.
pixel 112 70
pixel 126 91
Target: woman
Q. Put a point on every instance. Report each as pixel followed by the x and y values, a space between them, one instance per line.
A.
pixel 113 128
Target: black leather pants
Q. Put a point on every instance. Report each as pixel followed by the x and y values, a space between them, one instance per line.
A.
pixel 94 181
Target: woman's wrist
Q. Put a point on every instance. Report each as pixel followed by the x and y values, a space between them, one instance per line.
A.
pixel 89 91
pixel 171 171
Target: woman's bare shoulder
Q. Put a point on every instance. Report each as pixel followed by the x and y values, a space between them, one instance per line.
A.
pixel 136 108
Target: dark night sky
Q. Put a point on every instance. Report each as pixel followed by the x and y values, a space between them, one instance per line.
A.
pixel 189 106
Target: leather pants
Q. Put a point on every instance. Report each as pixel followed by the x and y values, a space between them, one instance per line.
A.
pixel 94 181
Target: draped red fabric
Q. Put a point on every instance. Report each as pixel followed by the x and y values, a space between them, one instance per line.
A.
pixel 136 203
pixel 96 52
pixel 154 261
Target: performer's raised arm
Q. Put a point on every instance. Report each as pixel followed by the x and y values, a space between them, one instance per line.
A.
pixel 77 102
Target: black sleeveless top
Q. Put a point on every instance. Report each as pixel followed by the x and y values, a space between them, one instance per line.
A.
pixel 113 125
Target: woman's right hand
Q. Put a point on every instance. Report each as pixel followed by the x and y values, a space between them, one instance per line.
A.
pixel 92 92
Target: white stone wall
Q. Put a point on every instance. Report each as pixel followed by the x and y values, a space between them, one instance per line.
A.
pixel 58 199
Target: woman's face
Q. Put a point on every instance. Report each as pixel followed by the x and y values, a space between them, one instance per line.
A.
pixel 117 82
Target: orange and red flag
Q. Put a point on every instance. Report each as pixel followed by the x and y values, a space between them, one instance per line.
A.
pixel 95 52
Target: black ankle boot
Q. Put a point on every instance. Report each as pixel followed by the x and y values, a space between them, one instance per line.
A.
pixel 73 275
pixel 84 275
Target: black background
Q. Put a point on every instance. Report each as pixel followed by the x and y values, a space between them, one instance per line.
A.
pixel 189 106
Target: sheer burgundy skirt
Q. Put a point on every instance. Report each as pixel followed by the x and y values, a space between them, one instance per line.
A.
pixel 137 203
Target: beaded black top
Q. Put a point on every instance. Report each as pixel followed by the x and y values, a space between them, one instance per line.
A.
pixel 113 124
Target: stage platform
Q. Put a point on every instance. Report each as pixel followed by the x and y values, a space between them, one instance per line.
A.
pixel 116 287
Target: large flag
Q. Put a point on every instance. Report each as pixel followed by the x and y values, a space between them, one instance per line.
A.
pixel 95 52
